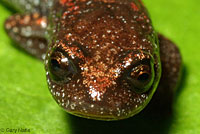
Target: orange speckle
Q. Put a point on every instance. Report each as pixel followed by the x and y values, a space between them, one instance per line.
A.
pixel 27 19
pixel 135 8
pixel 72 51
pixel 41 21
pixel 70 4
pixel 36 15
pixel 63 2
pixel 76 7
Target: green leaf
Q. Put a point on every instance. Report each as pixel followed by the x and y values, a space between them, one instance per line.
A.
pixel 25 102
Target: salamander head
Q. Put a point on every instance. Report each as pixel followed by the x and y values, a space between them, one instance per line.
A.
pixel 105 64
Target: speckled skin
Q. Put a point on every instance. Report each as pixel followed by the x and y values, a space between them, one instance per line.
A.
pixel 103 57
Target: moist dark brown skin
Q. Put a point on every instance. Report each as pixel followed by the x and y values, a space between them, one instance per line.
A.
pixel 103 58
pixel 104 42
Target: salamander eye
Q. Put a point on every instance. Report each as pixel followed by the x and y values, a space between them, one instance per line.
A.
pixel 61 67
pixel 141 76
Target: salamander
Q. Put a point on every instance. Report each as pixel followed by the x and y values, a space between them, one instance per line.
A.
pixel 103 58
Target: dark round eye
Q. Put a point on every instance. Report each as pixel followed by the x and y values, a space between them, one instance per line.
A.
pixel 141 76
pixel 61 67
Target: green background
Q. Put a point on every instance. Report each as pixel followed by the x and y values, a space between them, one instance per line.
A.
pixel 25 101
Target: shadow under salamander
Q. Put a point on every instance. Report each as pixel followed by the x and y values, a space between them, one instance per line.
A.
pixel 138 124
pixel 155 121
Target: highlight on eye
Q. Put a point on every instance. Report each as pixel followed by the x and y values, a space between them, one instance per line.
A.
pixel 61 67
